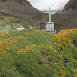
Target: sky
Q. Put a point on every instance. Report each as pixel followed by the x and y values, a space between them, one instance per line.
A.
pixel 45 4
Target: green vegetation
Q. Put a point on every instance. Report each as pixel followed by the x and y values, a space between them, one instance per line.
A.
pixel 9 23
pixel 34 53
pixel 36 27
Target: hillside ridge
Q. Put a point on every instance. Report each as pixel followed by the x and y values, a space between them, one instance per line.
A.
pixel 71 7
pixel 22 9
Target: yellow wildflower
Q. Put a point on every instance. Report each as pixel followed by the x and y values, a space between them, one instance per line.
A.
pixel 4 42
pixel 33 45
pixel 61 72
pixel 1 34
pixel 69 54
pixel 48 48
pixel 3 53
pixel 18 52
pixel 27 47
pixel 61 60
pixel 33 50
pixel 55 43
pixel 75 75
pixel 18 37
pixel 69 57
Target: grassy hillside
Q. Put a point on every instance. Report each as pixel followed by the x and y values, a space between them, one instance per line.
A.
pixel 9 23
pixel 34 53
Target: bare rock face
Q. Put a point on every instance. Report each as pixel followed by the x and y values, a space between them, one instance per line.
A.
pixel 22 9
pixel 71 7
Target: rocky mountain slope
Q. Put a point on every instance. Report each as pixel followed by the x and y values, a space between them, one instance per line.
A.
pixel 64 21
pixel 22 9
pixel 71 7
pixel 67 18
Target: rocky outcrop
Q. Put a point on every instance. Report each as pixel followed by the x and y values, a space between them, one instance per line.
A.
pixel 71 7
pixel 64 21
pixel 22 9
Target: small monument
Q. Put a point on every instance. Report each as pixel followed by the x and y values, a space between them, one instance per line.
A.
pixel 50 25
